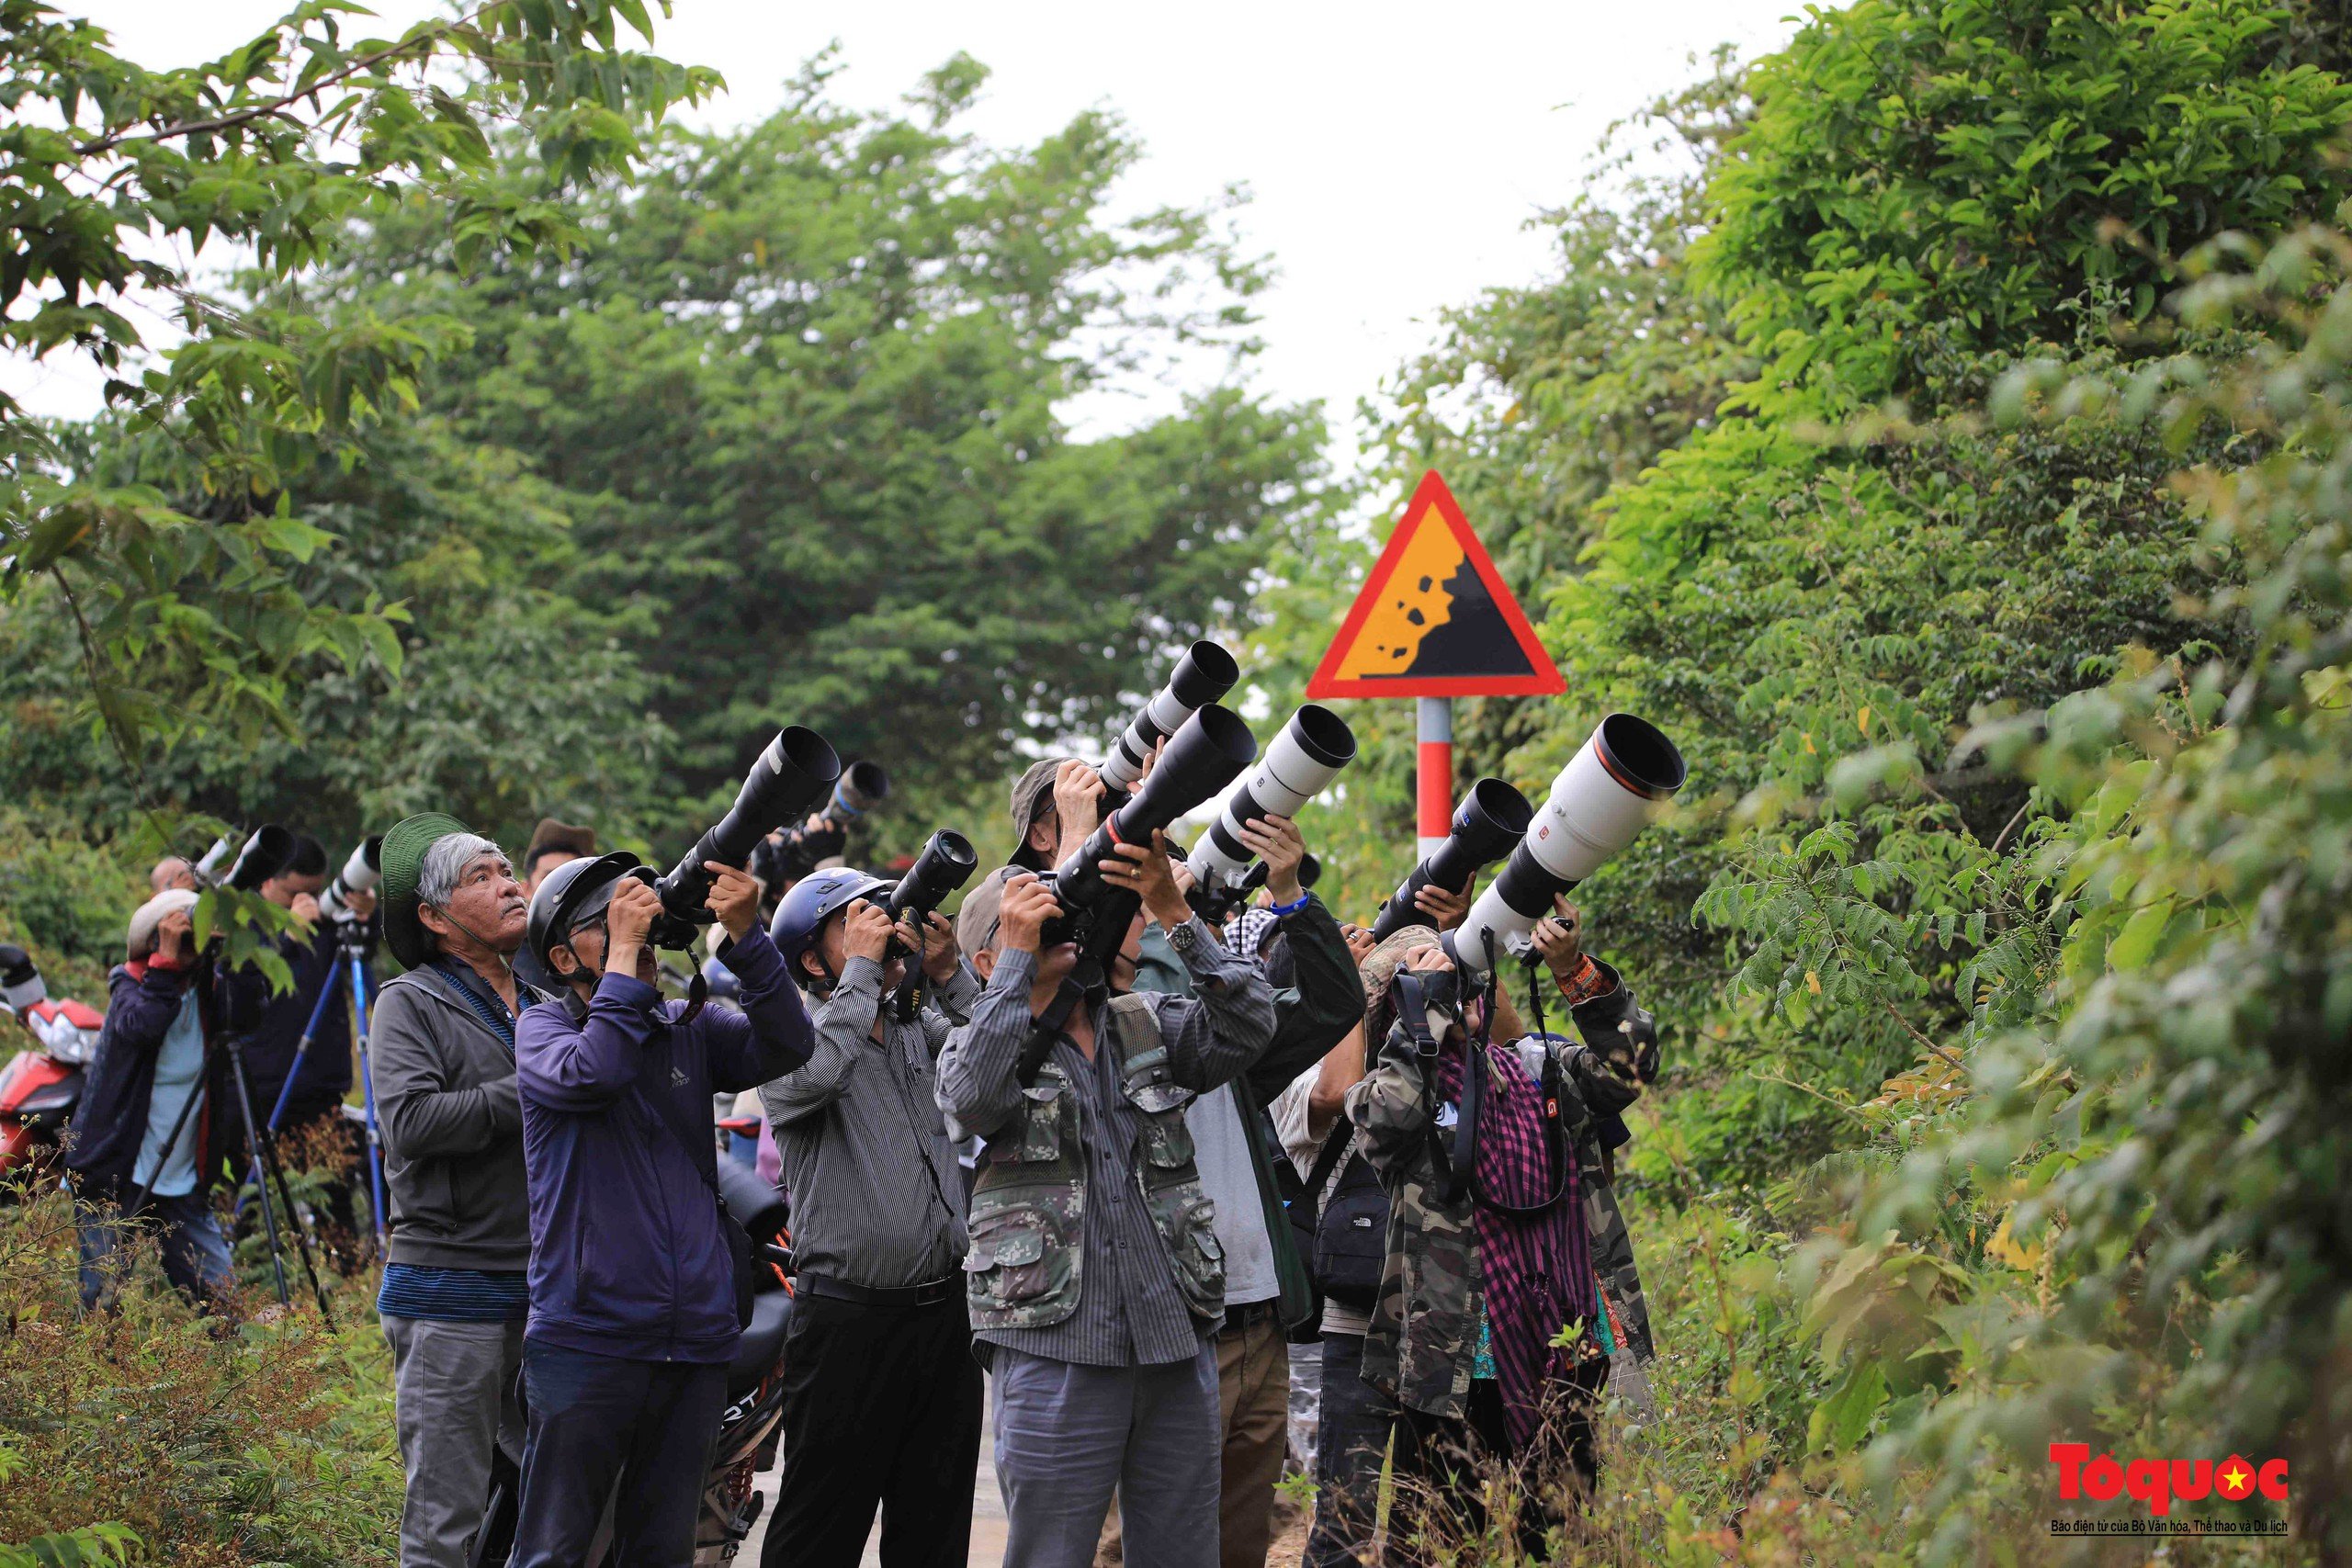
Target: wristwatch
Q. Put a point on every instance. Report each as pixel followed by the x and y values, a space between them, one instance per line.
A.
pixel 1185 939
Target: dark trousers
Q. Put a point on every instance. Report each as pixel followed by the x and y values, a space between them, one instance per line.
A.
pixel 1442 1460
pixel 1350 1445
pixel 881 1410
pixel 597 1419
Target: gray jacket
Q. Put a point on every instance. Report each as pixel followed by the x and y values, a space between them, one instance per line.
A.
pixel 452 1130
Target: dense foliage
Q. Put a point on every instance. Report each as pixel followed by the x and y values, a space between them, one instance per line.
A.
pixel 1997 946
pixel 1939 427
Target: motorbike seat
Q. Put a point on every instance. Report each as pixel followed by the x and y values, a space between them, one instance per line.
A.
pixel 762 1343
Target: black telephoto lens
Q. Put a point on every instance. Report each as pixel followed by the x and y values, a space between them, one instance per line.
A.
pixel 796 771
pixel 1202 756
pixel 946 863
pixel 1491 818
pixel 264 856
pixel 862 787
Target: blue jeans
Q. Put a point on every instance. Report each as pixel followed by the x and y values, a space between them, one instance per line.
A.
pixel 196 1255
pixel 595 1421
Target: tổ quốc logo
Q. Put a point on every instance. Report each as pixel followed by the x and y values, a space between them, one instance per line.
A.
pixel 2160 1483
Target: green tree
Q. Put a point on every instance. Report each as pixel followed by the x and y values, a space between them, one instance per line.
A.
pixel 801 390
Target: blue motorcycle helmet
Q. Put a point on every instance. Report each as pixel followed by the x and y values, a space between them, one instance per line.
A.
pixel 814 899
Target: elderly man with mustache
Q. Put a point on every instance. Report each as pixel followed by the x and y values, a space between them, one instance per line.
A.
pixel 456 1285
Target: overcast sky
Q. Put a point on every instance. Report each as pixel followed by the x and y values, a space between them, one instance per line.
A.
pixel 1395 151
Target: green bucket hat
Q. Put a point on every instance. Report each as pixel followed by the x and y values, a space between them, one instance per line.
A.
pixel 403 858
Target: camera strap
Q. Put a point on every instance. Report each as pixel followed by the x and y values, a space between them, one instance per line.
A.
pixel 1457 1167
pixel 1044 1030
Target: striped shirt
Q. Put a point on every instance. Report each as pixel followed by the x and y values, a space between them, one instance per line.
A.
pixel 1129 1311
pixel 454 1295
pixel 877 1198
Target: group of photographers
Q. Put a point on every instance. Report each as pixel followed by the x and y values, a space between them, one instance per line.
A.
pixel 1082 1199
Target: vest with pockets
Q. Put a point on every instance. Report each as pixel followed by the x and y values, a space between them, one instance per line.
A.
pixel 1026 1266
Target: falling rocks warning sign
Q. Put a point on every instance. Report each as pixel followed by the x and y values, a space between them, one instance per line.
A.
pixel 1434 619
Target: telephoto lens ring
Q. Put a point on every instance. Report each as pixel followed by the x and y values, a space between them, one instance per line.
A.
pixel 1599 804
pixel 1299 765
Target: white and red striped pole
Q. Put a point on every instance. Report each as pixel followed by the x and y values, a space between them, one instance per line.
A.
pixel 1434 774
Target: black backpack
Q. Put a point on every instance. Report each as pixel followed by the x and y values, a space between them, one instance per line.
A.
pixel 1345 1245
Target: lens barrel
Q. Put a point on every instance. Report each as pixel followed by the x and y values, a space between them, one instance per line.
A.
pixel 796 771
pixel 1490 819
pixel 264 856
pixel 1600 803
pixel 360 873
pixel 1204 754
pixel 1304 757
pixel 946 863
pixel 862 787
pixel 1202 676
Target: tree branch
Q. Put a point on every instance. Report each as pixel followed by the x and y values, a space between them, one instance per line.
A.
pixel 431 41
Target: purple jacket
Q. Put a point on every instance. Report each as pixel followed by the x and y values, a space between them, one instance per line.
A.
pixel 627 1256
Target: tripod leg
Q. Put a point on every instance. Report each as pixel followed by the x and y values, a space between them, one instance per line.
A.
pixel 268 1214
pixel 367 1099
pixel 301 1236
pixel 301 1053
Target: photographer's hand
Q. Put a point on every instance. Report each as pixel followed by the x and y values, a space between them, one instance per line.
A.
pixel 1427 960
pixel 1447 909
pixel 866 932
pixel 1028 904
pixel 734 898
pixel 1559 939
pixel 1359 942
pixel 940 953
pixel 305 910
pixel 1078 806
pixel 1278 843
pixel 1146 874
pixel 626 919
pixel 174 941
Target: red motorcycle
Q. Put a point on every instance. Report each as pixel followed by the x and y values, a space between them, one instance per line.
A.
pixel 39 1087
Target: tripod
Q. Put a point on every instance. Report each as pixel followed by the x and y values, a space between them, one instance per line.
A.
pixel 357 945
pixel 217 1045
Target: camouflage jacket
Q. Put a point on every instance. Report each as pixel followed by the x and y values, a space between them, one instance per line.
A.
pixel 1425 1321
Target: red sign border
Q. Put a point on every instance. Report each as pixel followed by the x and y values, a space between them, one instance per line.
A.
pixel 1544 680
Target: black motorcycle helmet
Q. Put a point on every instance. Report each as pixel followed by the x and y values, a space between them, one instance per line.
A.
pixel 574 894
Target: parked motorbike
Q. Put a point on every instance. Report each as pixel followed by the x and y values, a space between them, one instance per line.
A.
pixel 750 1425
pixel 39 1087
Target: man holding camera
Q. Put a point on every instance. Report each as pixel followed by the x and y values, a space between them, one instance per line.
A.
pixel 882 1397
pixel 150 1062
pixel 455 1290
pixel 1094 1275
pixel 637 1271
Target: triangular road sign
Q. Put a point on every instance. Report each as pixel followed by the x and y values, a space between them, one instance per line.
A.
pixel 1435 618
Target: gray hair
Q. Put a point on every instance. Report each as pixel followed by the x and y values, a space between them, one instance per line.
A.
pixel 444 861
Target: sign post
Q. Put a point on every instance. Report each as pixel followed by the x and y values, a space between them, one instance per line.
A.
pixel 1434 621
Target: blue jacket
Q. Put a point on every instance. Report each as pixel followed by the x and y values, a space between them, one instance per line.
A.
pixel 627 1256
pixel 111 1122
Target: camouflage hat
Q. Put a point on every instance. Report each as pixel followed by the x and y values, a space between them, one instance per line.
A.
pixel 976 920
pixel 404 861
pixel 1031 794
pixel 1379 972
